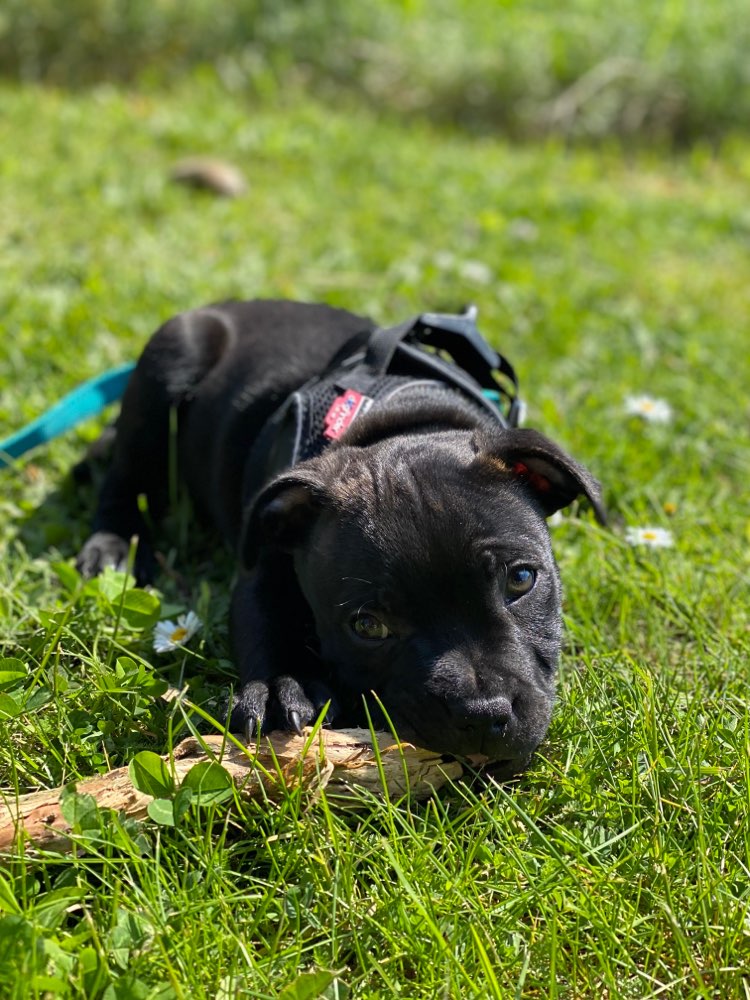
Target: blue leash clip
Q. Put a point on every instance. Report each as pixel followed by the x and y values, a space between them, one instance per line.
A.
pixel 87 400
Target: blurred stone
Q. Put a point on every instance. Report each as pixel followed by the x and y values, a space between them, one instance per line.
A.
pixel 209 174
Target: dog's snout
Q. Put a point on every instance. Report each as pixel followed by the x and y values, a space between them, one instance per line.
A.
pixel 501 713
pixel 507 726
pixel 492 717
pixel 499 724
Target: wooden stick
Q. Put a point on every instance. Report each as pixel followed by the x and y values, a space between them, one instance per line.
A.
pixel 343 761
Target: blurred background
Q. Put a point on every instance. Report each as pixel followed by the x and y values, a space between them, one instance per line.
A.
pixel 578 170
pixel 675 70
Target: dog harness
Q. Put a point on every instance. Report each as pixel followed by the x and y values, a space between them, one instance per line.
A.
pixel 428 353
pixel 432 351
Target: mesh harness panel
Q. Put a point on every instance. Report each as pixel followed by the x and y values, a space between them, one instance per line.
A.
pixel 405 360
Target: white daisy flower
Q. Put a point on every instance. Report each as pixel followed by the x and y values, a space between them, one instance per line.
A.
pixel 476 271
pixel 656 411
pixel 654 538
pixel 445 260
pixel 170 635
pixel 523 229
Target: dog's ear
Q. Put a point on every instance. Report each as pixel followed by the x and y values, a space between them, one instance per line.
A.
pixel 282 514
pixel 552 476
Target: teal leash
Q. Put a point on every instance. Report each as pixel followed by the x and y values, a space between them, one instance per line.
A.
pixel 85 401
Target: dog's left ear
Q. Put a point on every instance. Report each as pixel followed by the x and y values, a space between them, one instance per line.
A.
pixel 549 473
pixel 283 513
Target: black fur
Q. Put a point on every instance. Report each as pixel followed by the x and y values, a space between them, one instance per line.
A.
pixel 424 515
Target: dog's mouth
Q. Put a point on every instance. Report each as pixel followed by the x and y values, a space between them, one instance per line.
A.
pixel 476 763
pixel 501 758
pixel 483 767
pixel 506 760
pixel 504 770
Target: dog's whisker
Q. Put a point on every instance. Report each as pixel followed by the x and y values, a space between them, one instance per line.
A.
pixel 349 600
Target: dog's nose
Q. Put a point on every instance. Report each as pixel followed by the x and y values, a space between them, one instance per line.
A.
pixel 502 713
pixel 492 717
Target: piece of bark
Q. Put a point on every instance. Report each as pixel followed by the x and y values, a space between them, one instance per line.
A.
pixel 344 762
pixel 210 174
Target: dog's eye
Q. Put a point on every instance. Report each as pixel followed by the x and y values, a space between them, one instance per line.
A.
pixel 519 581
pixel 367 626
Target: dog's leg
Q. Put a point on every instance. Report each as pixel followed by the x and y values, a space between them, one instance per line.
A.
pixel 280 685
pixel 98 453
pixel 175 360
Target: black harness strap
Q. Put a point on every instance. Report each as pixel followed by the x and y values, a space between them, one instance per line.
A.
pixel 373 368
pixel 456 335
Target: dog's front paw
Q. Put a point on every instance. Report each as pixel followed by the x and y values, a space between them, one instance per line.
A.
pixel 280 703
pixel 250 709
pixel 104 548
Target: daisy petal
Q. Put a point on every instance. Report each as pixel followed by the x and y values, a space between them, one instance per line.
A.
pixel 653 538
pixel 169 635
pixel 655 411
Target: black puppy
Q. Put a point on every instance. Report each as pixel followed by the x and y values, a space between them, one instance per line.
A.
pixel 408 558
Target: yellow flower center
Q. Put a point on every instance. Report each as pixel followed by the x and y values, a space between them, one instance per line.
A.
pixel 179 634
pixel 647 405
pixel 649 535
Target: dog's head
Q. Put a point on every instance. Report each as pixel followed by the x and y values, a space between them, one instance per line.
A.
pixel 426 563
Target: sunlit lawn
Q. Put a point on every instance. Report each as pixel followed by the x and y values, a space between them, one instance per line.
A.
pixel 619 865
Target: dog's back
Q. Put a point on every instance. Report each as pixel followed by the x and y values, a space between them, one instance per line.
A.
pixel 265 350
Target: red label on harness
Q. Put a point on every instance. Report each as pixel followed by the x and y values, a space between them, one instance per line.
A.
pixel 343 411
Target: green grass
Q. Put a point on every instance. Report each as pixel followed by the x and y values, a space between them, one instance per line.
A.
pixel 619 865
pixel 677 70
